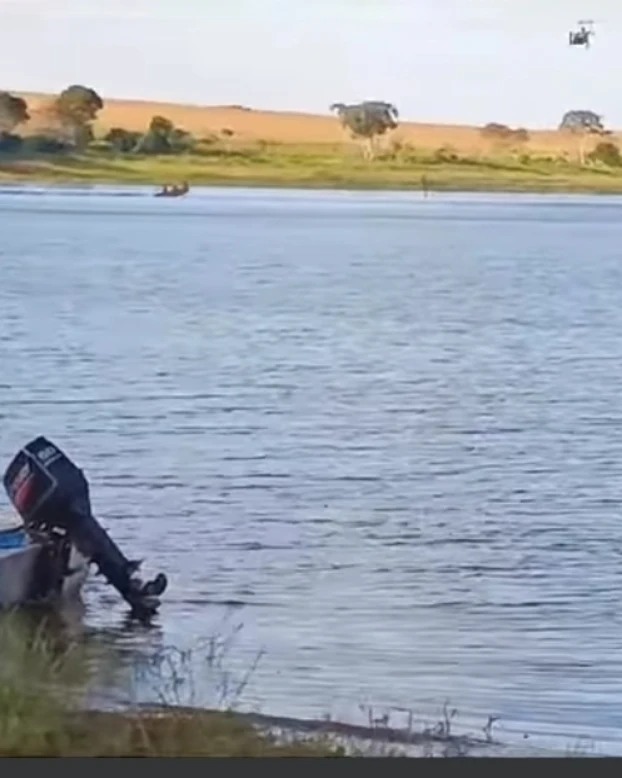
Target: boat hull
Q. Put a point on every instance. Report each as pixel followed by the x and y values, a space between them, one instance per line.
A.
pixel 22 566
pixel 17 570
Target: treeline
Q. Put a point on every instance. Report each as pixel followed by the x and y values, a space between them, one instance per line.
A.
pixel 370 120
pixel 66 125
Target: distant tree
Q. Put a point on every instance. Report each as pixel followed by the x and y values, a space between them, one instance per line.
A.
pixel 607 153
pixel 496 130
pixel 13 111
pixel 503 132
pixel 122 141
pixel 227 134
pixel 76 108
pixel 162 137
pixel 161 125
pixel 156 139
pixel 181 141
pixel 504 137
pixel 367 121
pixel 583 121
pixel 583 124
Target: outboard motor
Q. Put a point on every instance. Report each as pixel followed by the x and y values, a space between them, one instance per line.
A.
pixel 51 495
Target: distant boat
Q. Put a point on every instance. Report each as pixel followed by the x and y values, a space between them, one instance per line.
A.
pixel 174 190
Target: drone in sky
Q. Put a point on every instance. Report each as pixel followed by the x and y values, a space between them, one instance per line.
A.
pixel 581 37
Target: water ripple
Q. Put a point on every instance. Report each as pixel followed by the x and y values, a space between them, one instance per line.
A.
pixel 384 432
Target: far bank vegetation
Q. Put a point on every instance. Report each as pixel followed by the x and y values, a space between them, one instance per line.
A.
pixel 66 127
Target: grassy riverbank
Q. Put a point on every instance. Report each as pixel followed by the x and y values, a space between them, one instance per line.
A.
pixel 49 674
pixel 27 730
pixel 285 165
pixel 48 677
pixel 43 691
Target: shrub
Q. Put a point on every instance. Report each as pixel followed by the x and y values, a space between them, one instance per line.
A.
pixel 122 141
pixel 445 154
pixel 501 133
pixel 45 144
pixel 495 130
pixel 9 144
pixel 607 153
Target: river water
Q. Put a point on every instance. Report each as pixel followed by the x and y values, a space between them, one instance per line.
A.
pixel 374 437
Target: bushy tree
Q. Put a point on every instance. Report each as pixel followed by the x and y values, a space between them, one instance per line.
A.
pixel 156 139
pixel 367 121
pixel 181 141
pixel 13 111
pixel 123 141
pixel 503 133
pixel 163 137
pixel 504 138
pixel 582 121
pixel 76 109
pixel 607 153
pixel 227 133
pixel 583 124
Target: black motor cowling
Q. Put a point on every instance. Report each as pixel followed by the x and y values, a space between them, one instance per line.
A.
pixel 51 495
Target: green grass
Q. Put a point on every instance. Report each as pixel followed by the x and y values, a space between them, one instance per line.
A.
pixel 48 731
pixel 316 167
pixel 42 686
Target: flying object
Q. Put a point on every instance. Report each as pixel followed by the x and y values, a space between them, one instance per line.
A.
pixel 581 37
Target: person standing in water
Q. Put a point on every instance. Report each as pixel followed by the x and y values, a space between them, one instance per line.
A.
pixel 424 185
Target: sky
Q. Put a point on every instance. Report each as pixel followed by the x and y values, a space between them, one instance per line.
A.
pixel 455 61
